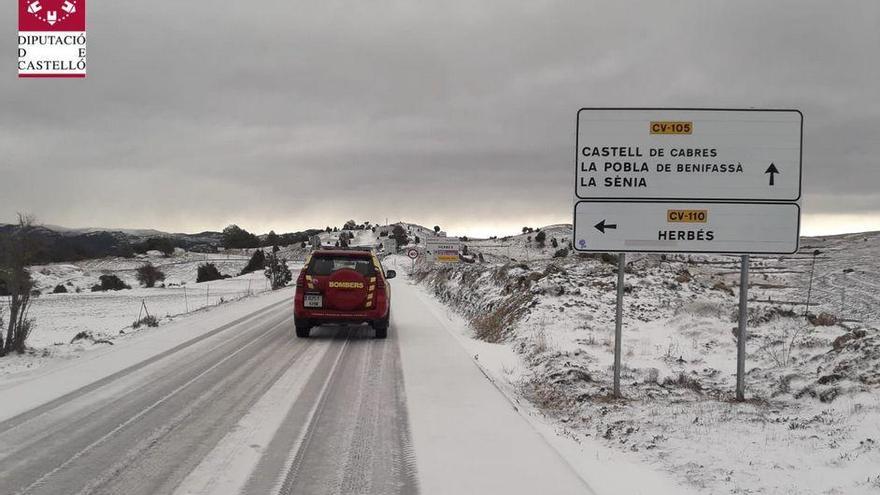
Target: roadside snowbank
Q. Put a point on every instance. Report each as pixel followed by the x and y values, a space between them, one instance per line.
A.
pixel 812 422
pixel 605 470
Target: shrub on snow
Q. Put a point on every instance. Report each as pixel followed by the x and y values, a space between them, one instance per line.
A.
pixel 148 320
pixel 208 272
pixel 110 282
pixel 148 275
pixel 540 238
pixel 257 262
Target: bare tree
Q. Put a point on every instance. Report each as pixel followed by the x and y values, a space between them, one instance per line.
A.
pixel 17 250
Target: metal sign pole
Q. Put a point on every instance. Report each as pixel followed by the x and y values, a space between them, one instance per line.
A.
pixel 741 335
pixel 618 323
pixel 843 293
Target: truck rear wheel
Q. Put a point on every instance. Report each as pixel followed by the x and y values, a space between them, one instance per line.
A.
pixel 302 328
pixel 381 326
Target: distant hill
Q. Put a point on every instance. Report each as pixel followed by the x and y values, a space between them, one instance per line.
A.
pixel 62 244
pixel 89 230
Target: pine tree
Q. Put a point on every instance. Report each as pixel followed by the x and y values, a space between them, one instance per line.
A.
pixel 398 233
pixel 271 239
pixel 277 272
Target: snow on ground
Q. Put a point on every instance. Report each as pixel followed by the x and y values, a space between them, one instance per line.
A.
pixel 545 328
pixel 229 465
pixel 38 385
pixel 604 470
pixel 58 318
pixel 812 421
pixel 847 281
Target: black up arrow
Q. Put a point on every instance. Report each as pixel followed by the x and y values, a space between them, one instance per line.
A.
pixel 601 226
pixel 772 171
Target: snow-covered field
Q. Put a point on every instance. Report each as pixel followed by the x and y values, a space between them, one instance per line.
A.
pixel 542 328
pixel 103 316
pixel 812 421
pixel 58 318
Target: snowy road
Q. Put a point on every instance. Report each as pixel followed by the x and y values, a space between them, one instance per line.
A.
pixel 247 408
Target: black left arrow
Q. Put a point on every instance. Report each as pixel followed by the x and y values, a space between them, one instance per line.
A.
pixel 601 226
pixel 772 170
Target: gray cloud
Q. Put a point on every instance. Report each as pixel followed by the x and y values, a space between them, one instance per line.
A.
pixel 291 114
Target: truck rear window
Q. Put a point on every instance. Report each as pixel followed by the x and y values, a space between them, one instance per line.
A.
pixel 325 265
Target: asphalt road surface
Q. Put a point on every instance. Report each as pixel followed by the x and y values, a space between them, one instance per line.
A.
pixel 248 408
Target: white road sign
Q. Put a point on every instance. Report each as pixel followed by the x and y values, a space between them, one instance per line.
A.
pixel 686 227
pixel 688 154
pixel 443 249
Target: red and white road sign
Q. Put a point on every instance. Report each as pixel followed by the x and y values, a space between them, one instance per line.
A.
pixel 412 253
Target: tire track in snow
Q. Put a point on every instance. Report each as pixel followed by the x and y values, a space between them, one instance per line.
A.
pixel 42 480
pixel 227 467
pixel 200 422
pixel 298 454
pixel 348 431
pixel 22 418
pixel 95 412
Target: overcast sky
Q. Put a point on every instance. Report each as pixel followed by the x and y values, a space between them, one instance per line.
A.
pixel 285 115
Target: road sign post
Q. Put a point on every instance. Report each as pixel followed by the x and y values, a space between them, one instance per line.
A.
pixel 816 253
pixel 618 323
pixel 741 336
pixel 413 255
pixel 678 180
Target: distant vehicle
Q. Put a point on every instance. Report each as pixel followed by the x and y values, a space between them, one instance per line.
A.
pixel 342 286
